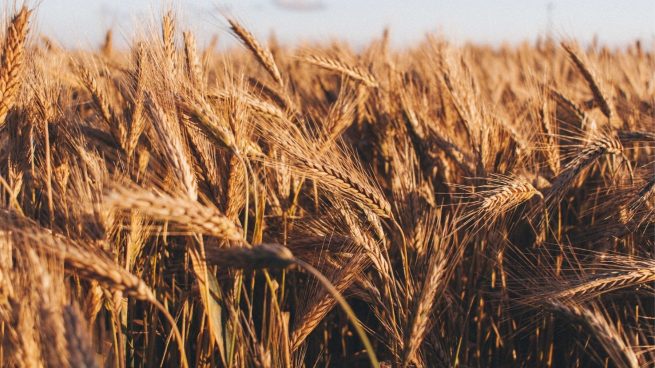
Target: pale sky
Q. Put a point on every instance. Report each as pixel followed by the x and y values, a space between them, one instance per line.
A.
pixel 82 23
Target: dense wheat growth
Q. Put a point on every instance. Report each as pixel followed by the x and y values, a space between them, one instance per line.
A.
pixel 268 206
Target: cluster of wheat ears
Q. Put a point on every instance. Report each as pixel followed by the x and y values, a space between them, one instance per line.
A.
pixel 276 207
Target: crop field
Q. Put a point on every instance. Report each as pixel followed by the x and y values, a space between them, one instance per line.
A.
pixel 444 205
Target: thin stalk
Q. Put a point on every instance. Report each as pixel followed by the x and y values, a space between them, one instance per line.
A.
pixel 346 308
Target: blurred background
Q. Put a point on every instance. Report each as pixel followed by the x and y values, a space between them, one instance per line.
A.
pixel 83 23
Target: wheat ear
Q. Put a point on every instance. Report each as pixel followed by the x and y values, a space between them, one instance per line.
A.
pixel 11 64
pixel 262 54
pixel 185 212
pixel 589 77
pixel 338 66
pixel 607 334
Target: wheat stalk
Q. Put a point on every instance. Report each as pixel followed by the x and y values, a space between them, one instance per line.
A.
pixel 605 283
pixel 614 343
pixel 420 319
pixel 591 81
pixel 598 145
pixel 80 351
pixel 337 180
pixel 187 213
pixel 323 303
pixel 168 39
pixel 262 54
pixel 336 65
pixel 193 68
pixel 267 255
pixel 11 64
pixel 88 264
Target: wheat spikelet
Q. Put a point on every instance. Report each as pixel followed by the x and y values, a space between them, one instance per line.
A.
pixel 262 54
pixel 265 255
pixel 137 118
pixel 351 188
pixel 572 108
pixel 549 127
pixel 607 283
pixel 23 347
pixel 336 65
pixel 93 302
pixel 263 108
pixel 80 351
pixel 108 46
pixel 423 307
pixel 168 39
pixel 323 303
pixel 11 64
pixel 53 330
pixel 101 102
pixel 499 196
pixel 173 142
pixel 598 145
pixel 589 77
pixel 201 114
pixel 614 343
pixel 187 213
pixel 193 68
pixel 511 193
pixel 363 239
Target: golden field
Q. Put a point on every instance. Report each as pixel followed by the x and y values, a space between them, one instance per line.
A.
pixel 440 206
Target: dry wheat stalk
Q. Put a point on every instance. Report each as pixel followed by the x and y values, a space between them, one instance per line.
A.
pixel 80 351
pixel 265 255
pixel 108 46
pixel 11 64
pixel 636 136
pixel 173 143
pixel 101 102
pixel 503 195
pixel 262 54
pixel 598 145
pixel 420 317
pixel 605 283
pixel 187 213
pixel 612 340
pixel 323 303
pixel 137 118
pixel 88 264
pixel 591 81
pixel 325 168
pixel 93 302
pixel 201 115
pixel 168 39
pixel 336 65
pixel 52 324
pixel 569 105
pixel 265 109
pixel 340 181
pixel 193 68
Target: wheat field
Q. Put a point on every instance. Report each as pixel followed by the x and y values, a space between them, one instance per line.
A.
pixel 319 206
